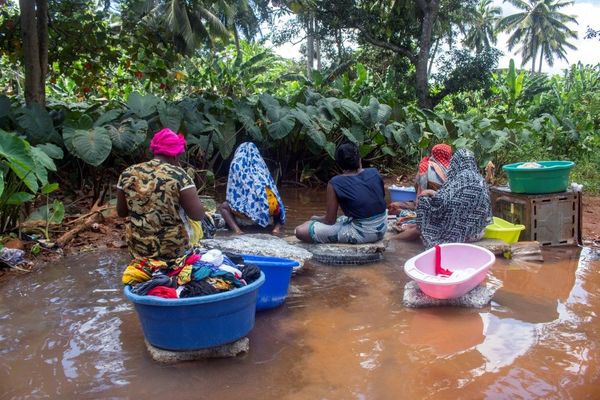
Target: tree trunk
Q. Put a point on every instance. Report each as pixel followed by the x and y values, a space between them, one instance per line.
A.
pixel 541 60
pixel 310 47
pixel 238 51
pixel 430 10
pixel 34 33
pixel 318 47
pixel 534 49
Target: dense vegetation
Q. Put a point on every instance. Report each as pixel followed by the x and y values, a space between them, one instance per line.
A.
pixel 118 71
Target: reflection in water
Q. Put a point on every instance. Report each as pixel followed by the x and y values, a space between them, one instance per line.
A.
pixel 67 332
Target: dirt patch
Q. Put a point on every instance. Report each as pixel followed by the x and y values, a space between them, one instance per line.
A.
pixel 591 218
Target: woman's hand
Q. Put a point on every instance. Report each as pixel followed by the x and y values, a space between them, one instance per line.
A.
pixel 428 193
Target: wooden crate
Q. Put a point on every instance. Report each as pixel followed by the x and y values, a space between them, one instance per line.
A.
pixel 552 219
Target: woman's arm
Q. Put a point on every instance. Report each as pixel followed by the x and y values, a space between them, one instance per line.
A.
pixel 332 207
pixel 191 204
pixel 122 209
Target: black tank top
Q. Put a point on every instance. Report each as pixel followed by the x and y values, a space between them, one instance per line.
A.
pixel 360 196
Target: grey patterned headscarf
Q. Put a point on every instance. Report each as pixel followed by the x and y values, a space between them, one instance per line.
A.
pixel 461 209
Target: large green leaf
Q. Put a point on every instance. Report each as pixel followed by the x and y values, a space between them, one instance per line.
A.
pixel 170 116
pixel 43 163
pixel 51 213
pixel 437 129
pixel 413 131
pixel 355 134
pixel 37 124
pixel 330 148
pixel 17 155
pixel 19 198
pixel 142 106
pixel 68 133
pixel 52 150
pixel 283 127
pixel 128 135
pixel 351 110
pixel 92 145
pixel 226 141
pixel 245 114
pixel 108 117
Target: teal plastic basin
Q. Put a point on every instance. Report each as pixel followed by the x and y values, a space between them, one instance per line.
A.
pixel 552 178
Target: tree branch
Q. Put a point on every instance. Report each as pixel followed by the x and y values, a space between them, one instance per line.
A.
pixel 386 45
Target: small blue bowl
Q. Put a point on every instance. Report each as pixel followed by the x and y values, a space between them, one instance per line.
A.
pixel 197 322
pixel 278 272
pixel 397 194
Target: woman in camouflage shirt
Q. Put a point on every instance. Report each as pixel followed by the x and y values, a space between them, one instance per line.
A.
pixel 157 196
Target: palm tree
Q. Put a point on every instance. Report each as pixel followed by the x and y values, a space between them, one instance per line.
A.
pixel 192 23
pixel 482 26
pixel 540 27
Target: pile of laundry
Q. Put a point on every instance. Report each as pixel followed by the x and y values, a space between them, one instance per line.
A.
pixel 199 272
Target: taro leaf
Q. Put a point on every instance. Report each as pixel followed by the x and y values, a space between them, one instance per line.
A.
pixel 283 126
pixel 43 163
pixel 49 188
pixel 351 110
pixel 355 134
pixel 18 198
pixel 51 213
pixel 37 124
pixel 128 135
pixel 373 110
pixel 43 159
pixel 330 148
pixel 226 141
pixel 330 104
pixel 108 117
pixel 384 113
pixel 68 133
pixel 52 150
pixel 365 149
pixel 245 115
pixel 388 151
pixel 142 106
pixel 438 129
pixel 170 116
pixel 460 142
pixel 93 145
pixel 413 131
pixel 85 122
pixel 18 155
pixel 318 137
pixel 270 104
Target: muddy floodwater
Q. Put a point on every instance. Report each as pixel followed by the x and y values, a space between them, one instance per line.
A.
pixel 67 332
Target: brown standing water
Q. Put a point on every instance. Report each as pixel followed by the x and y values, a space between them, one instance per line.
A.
pixel 66 331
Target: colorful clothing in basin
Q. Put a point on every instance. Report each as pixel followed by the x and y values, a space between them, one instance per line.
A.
pixel 433 170
pixel 460 210
pixel 248 188
pixel 155 228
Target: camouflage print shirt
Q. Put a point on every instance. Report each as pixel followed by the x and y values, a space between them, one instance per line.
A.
pixel 155 227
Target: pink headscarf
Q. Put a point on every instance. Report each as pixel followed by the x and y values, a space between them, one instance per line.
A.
pixel 167 143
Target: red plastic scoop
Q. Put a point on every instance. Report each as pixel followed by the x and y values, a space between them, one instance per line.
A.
pixel 438 263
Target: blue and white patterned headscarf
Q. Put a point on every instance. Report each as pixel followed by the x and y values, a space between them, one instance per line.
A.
pixel 246 186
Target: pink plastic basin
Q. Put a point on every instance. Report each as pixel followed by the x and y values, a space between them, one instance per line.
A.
pixel 455 257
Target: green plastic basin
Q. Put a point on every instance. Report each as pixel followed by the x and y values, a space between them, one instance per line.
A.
pixel 552 178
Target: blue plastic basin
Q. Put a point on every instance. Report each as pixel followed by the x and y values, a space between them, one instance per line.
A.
pixel 197 322
pixel 402 195
pixel 278 272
